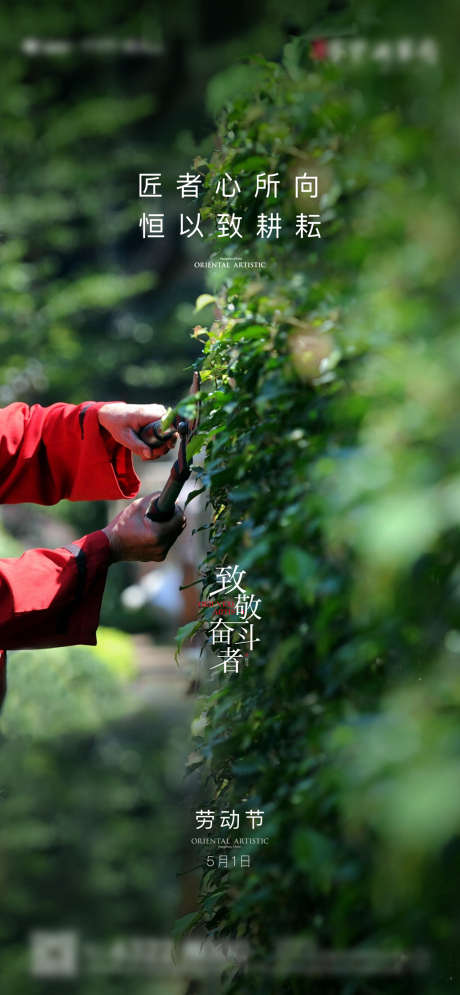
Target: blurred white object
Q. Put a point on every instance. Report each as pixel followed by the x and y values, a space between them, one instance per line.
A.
pixel 159 589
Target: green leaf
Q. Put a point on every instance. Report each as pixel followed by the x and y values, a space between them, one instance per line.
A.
pixel 184 924
pixel 185 632
pixel 300 571
pixel 251 332
pixel 194 494
pixel 314 855
pixel 203 300
pixel 297 566
pixel 195 444
pixel 252 164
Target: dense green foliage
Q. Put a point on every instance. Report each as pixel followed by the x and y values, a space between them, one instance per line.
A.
pixel 331 438
pixel 332 462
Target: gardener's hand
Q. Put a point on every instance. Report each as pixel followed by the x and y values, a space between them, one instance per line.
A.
pixel 124 422
pixel 132 536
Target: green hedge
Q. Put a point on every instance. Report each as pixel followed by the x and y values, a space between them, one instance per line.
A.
pixel 332 378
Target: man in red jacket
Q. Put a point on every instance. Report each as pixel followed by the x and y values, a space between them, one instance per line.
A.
pixel 52 597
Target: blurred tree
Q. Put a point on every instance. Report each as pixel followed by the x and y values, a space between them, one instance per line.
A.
pixel 92 805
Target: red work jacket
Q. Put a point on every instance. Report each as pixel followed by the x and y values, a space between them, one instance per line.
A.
pixel 52 597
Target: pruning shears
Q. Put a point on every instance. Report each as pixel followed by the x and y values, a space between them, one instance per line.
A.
pixel 155 434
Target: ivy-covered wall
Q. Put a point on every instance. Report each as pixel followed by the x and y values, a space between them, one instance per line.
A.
pixel 330 423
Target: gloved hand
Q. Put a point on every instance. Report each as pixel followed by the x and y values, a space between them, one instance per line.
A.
pixel 132 536
pixel 124 422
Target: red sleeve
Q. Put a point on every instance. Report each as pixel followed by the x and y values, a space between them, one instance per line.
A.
pixel 61 451
pixel 52 597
